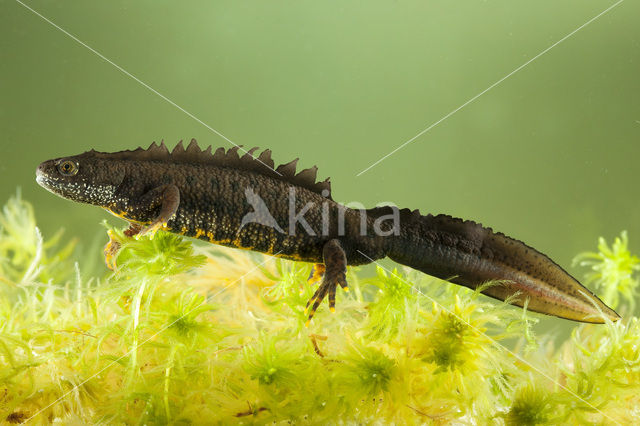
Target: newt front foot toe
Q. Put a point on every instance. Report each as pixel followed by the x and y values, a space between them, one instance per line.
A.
pixel 114 245
pixel 152 229
pixel 111 252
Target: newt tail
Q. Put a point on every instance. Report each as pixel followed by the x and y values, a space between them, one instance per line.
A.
pixel 466 253
pixel 246 202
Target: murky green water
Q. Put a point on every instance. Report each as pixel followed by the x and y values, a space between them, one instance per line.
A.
pixel 550 155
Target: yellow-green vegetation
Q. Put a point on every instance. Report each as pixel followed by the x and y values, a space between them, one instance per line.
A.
pixel 190 334
pixel 612 271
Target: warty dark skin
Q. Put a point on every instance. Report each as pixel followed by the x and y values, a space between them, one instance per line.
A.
pixel 244 202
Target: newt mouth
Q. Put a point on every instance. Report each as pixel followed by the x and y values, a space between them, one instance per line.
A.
pixel 42 177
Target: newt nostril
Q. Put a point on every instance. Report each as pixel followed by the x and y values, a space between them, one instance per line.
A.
pixel 41 171
pixel 44 166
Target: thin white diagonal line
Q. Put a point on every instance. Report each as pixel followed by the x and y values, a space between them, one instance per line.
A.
pixel 128 74
pixel 145 341
pixel 495 342
pixel 492 86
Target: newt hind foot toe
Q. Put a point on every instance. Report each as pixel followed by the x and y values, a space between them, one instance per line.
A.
pixel 334 272
pixel 317 272
pixel 328 287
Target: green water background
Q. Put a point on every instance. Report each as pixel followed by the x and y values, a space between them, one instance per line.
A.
pixel 551 155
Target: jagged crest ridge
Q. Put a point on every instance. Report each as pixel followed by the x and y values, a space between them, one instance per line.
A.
pixel 443 222
pixel 262 163
pixel 458 227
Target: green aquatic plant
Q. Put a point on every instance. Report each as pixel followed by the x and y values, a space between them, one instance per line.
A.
pixel 24 254
pixel 394 303
pixel 613 270
pixel 158 254
pixel 372 370
pixel 183 333
pixel 532 405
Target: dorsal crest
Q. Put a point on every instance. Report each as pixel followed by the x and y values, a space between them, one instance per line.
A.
pixel 193 154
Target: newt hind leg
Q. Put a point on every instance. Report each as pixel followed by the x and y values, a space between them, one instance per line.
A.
pixel 333 272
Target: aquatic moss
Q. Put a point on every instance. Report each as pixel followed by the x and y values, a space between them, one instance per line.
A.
pixel 613 270
pixel 183 333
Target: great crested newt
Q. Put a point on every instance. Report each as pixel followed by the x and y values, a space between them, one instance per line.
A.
pixel 246 202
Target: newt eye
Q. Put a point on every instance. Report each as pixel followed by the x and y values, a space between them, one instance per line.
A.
pixel 68 168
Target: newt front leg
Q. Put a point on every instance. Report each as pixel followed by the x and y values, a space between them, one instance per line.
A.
pixel 335 270
pixel 168 197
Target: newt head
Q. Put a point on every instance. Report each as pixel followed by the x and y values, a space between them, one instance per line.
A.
pixel 84 178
